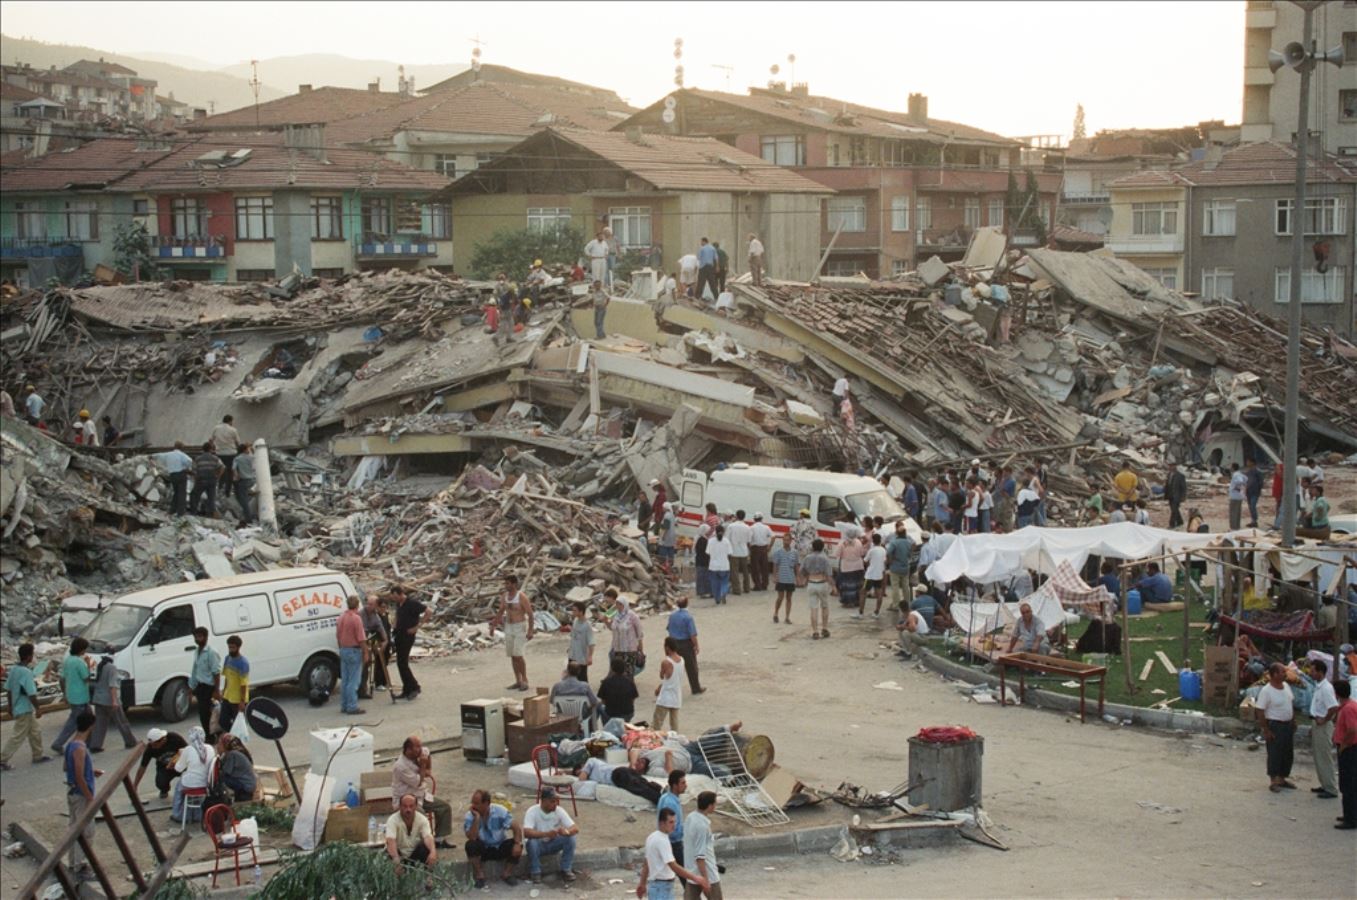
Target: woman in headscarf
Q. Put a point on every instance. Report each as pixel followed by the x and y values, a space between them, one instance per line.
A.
pixel 194 767
pixel 237 767
pixel 701 559
pixel 628 637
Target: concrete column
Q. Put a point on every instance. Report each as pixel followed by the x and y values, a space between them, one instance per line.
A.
pixel 268 516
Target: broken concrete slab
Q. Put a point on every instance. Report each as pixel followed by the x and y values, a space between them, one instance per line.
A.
pixel 933 270
pixel 986 248
pixel 751 338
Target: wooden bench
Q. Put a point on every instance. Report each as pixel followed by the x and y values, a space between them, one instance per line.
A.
pixel 1051 665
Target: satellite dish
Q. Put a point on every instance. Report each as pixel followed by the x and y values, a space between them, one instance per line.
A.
pixel 667 117
pixel 773 69
pixel 670 103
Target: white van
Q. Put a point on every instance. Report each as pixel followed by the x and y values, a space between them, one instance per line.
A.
pixel 286 620
pixel 781 494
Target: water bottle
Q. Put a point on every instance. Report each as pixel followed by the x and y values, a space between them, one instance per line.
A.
pixel 351 798
pixel 258 875
pixel 372 829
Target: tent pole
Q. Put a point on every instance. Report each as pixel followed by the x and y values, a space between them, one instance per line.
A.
pixel 1187 609
pixel 1126 629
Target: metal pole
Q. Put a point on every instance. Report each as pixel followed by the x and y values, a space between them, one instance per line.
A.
pixel 1290 448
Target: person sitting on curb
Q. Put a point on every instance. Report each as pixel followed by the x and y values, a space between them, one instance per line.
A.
pixel 549 830
pixel 491 835
pixel 409 838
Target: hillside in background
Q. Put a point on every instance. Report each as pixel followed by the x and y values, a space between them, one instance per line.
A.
pixel 194 86
pixel 328 69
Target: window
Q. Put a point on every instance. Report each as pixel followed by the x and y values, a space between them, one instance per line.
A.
pixel 1315 287
pixel 1347 106
pixel 236 614
pixel 831 510
pixel 784 150
pixel 1349 47
pixel 1044 211
pixel 446 163
pixel 548 218
pixel 484 158
pixel 1166 277
pixel 1217 284
pixel 1218 218
pixel 900 213
pixel 254 218
pixel 175 622
pixel 440 220
pixel 377 216
pixel 630 225
pixel 254 275
pixel 901 266
pixel 692 495
pixel 82 220
pixel 32 222
pixel 1324 215
pixel 971 213
pixel 328 273
pixel 996 213
pixel 850 212
pixel 327 219
pixel 1154 218
pixel 788 506
pixel 896 153
pixel 188 219
pixel 923 213
pixel 141 207
pixel 844 268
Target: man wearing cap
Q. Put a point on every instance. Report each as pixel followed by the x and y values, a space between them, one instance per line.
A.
pixel 161 748
pixel 537 277
pixel 85 431
pixel 33 405
pixel 760 545
pixel 549 830
pixel 739 533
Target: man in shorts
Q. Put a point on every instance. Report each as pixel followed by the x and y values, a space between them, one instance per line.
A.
pixel 786 568
pixel 817 572
pixel 515 612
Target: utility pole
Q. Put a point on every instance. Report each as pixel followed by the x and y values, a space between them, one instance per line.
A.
pixel 1301 57
pixel 254 86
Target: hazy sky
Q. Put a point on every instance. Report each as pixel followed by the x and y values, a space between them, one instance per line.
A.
pixel 1012 67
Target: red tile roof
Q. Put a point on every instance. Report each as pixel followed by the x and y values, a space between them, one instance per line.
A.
pixel 96 67
pixel 828 114
pixel 15 93
pixel 665 162
pixel 94 165
pixel 506 75
pixel 1260 163
pixel 321 105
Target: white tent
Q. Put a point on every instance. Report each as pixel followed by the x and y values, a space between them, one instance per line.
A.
pixel 984 558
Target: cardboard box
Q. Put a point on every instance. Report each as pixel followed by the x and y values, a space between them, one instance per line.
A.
pixel 536 710
pixel 375 786
pixel 1220 674
pixel 344 824
pixel 782 786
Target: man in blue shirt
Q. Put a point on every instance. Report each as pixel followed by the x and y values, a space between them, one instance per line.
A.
pixel 491 834
pixel 898 552
pixel 706 269
pixel 910 498
pixel 204 679
pixel 1155 587
pixel 683 630
pixel 670 799
pixel 937 499
pixel 23 692
pixel 178 464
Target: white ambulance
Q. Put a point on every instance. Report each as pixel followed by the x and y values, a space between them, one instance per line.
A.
pixel 286 620
pixel 781 494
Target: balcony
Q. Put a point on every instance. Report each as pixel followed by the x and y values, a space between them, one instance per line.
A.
pixel 38 248
pixel 394 246
pixel 1144 245
pixel 170 249
pixel 955 238
pixel 1085 198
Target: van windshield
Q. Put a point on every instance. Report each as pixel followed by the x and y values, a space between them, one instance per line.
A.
pixel 875 503
pixel 115 627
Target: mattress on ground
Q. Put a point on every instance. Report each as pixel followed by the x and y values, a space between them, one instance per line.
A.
pixel 524 776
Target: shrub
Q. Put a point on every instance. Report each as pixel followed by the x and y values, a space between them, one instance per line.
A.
pixel 513 251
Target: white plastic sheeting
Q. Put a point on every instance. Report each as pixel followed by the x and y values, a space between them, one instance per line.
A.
pixel 984 558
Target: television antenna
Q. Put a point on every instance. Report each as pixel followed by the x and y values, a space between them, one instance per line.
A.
pixel 727 69
pixel 254 87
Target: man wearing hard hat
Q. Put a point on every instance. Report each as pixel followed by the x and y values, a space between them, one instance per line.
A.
pixel 537 277
pixel 85 432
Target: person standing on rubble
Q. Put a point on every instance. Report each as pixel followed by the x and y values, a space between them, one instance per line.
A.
pixel 599 300
pixel 1042 489
pixel 6 404
pixel 505 297
pixel 738 534
pixel 111 434
pixel 756 259
pixel 596 251
pixel 207 468
pixel 225 443
pixel 628 636
pixel 33 405
pixel 85 432
pixel 516 617
pixel 706 269
pixel 242 467
pixel 688 274
pixel 536 278
pixel 177 465
pixel 722 268
pixel 410 614
pixel 1175 492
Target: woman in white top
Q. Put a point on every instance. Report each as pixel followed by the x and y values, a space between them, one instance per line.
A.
pixel 1277 705
pixel 195 767
pixel 986 508
pixel 669 692
pixel 875 562
pixel 718 566
pixel 972 508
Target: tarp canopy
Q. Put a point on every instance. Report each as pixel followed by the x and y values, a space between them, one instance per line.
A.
pixel 991 557
pixel 1063 591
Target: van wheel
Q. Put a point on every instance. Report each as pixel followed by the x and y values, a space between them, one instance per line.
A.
pixel 174 701
pixel 320 674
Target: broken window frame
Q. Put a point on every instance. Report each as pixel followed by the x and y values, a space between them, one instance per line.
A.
pixel 631 226
pixel 82 220
pixel 851 209
pixel 900 213
pixel 1326 216
pixel 783 149
pixel 188 218
pixel 327 217
pixel 1347 104
pixel 1219 218
pixel 1162 216
pixel 1319 288
pixel 255 275
pixel 1218 283
pixel 254 218
pixel 1167 276
pixel 548 218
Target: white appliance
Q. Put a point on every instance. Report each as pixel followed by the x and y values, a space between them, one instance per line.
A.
pixel 483 729
pixel 354 757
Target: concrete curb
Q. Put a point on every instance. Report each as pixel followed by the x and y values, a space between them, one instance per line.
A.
pixel 1169 720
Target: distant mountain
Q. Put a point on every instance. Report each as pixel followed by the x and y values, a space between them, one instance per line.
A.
pixel 216 89
pixel 178 59
pixel 328 69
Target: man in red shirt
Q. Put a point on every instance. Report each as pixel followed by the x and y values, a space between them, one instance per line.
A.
pixel 352 637
pixel 1345 737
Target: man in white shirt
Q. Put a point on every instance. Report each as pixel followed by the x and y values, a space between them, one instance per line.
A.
pixel 1278 714
pixel 596 251
pixel 699 849
pixel 86 433
pixel 840 392
pixel 760 543
pixel 875 577
pixel 1323 711
pixel 687 274
pixel 665 286
pixel 226 444
pixel 550 830
pixel 409 837
pixel 1239 482
pixel 739 534
pixel 756 260
pixel 660 870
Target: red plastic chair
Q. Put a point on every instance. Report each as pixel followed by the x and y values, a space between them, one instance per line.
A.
pixel 550 775
pixel 219 821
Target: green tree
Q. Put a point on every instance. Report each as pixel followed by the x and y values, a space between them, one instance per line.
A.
pixel 132 251
pixel 513 250
pixel 1079 130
